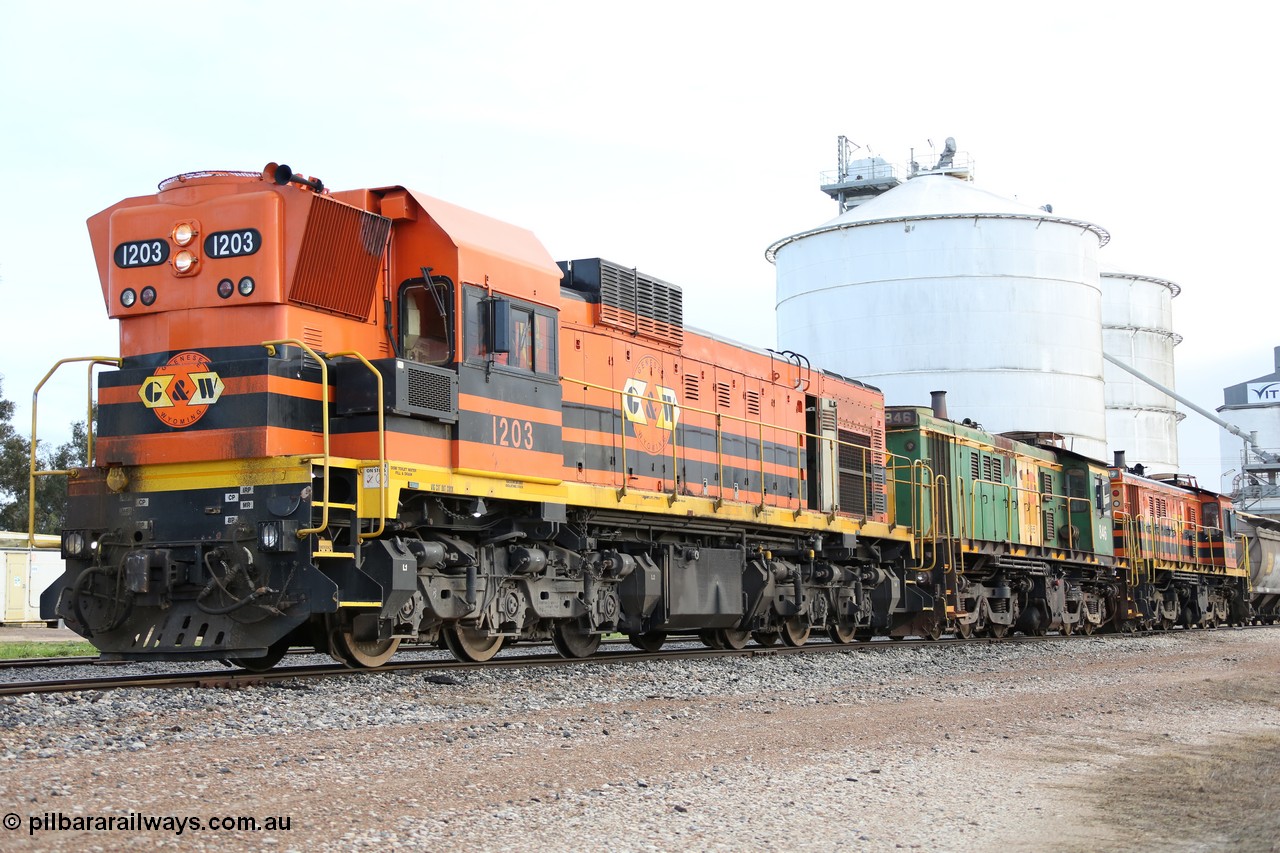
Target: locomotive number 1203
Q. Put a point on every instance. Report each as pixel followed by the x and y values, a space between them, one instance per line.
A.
pixel 512 432
pixel 232 244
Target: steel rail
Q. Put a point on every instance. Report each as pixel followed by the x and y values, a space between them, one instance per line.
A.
pixel 235 678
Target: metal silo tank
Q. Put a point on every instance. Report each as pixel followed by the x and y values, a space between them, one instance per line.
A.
pixel 1137 328
pixel 939 285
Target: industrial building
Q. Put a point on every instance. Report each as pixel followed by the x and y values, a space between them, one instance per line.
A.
pixel 1253 474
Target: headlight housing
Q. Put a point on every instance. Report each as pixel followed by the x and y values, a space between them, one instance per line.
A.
pixel 277 536
pixel 75 543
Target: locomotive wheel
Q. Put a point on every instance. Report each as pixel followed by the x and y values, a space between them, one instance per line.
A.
pixel 649 642
pixel 795 631
pixel 712 640
pixel 366 654
pixel 998 631
pixel 964 630
pixel 573 639
pixel 470 644
pixel 275 652
pixel 731 638
pixel 840 633
pixel 933 630
pixel 765 638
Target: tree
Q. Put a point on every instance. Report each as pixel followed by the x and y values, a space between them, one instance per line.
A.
pixel 15 462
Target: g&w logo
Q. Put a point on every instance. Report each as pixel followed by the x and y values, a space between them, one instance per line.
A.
pixel 183 390
pixel 652 409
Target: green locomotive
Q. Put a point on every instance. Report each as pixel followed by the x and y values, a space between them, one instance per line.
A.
pixel 1016 535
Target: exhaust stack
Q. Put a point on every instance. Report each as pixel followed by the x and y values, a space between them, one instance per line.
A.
pixel 939 404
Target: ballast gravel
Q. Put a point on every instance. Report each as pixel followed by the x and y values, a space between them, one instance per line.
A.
pixel 966 748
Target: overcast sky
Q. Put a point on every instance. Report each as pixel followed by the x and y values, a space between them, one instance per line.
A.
pixel 680 138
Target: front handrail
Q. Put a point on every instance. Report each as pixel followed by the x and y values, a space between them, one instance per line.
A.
pixel 1248 566
pixel 382 445
pixel 270 346
pixel 32 473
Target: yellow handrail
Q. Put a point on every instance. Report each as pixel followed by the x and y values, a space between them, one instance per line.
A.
pixel 1248 566
pixel 720 417
pixel 1008 502
pixel 324 424
pixel 382 445
pixel 35 396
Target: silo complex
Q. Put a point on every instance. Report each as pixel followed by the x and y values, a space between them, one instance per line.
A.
pixel 1137 328
pixel 938 285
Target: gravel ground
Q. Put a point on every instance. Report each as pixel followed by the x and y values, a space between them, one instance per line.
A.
pixel 1117 743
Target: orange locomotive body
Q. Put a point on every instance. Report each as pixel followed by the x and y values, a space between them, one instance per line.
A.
pixel 359 418
pixel 1178 546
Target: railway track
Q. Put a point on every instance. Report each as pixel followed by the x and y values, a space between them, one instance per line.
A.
pixel 512 658
pixel 234 678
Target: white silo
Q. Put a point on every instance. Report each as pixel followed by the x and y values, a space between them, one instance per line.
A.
pixel 938 285
pixel 1137 328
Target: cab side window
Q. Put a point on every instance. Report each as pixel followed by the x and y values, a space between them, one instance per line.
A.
pixel 544 344
pixel 527 337
pixel 426 321
pixel 521 356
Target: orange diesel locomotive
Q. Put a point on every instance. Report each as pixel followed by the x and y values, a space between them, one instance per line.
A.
pixel 352 419
pixel 1178 547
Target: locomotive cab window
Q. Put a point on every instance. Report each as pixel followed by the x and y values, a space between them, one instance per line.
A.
pixel 426 320
pixel 510 333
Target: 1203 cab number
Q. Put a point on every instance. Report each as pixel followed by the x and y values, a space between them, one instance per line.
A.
pixel 233 244
pixel 141 253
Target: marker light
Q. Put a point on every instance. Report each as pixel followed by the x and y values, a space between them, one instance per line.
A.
pixel 246 286
pixel 226 288
pixel 148 295
pixel 184 261
pixel 183 233
pixel 128 297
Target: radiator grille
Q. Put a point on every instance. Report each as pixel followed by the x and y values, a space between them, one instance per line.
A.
pixel 428 390
pixel 855 487
pixel 641 304
pixel 338 262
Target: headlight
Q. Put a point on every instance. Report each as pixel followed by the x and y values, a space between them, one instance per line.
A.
pixel 183 233
pixel 226 288
pixel 128 297
pixel 184 261
pixel 246 286
pixel 277 536
pixel 148 295
pixel 74 543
